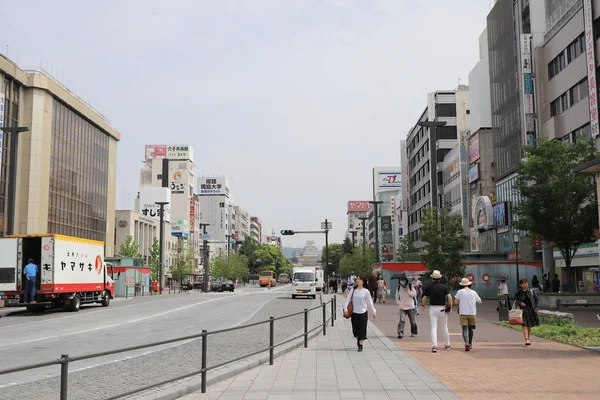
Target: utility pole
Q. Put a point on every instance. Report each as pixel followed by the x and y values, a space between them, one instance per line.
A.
pixel 228 243
pixel 205 255
pixel 161 234
pixel 364 249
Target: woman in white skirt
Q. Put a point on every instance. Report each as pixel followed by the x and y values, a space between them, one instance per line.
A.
pixel 362 302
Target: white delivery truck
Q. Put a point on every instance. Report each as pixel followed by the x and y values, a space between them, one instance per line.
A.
pixel 71 271
pixel 304 282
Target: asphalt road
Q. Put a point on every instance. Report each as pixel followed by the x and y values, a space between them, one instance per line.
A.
pixel 28 339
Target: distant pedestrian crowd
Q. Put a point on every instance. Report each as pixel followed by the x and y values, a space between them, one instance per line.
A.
pixel 363 292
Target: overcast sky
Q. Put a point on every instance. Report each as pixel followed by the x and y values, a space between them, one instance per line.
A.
pixel 295 100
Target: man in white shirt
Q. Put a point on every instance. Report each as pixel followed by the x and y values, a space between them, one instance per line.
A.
pixel 467 299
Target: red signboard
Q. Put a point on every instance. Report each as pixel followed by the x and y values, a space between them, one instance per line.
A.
pixel 471 277
pixel 513 255
pixel 192 210
pixel 485 278
pixel 537 241
pixel 155 151
pixel 357 206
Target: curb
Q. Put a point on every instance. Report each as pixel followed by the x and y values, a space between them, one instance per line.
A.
pixel 193 384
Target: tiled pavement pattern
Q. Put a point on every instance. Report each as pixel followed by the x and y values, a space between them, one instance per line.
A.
pixel 331 368
pixel 500 366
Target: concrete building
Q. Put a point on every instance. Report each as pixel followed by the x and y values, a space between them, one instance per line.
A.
pixel 514 28
pixel 241 223
pixel 273 241
pixel 354 231
pixel 568 109
pixel 216 210
pixel 387 188
pixel 427 147
pixel 256 229
pixel 143 230
pixel 60 175
pixel 310 255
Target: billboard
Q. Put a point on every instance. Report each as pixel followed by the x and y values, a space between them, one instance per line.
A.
pixel 473 173
pixel 590 45
pixel 474 148
pixel 389 181
pixel 500 214
pixel 386 223
pixel 153 151
pixel 180 228
pixel 213 186
pixel 178 181
pixel 149 195
pixel 359 206
pixel 179 152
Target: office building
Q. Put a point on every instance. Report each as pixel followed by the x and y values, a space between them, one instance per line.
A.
pixel 216 210
pixel 387 189
pixel 514 28
pixel 256 229
pixel 355 211
pixel 273 241
pixel 64 178
pixel 568 109
pixel 241 223
pixel 426 148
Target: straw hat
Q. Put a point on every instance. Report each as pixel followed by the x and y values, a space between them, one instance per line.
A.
pixel 436 275
pixel 465 282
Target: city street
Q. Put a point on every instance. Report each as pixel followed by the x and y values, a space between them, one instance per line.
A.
pixel 29 338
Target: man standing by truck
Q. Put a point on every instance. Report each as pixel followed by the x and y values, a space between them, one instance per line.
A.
pixel 30 272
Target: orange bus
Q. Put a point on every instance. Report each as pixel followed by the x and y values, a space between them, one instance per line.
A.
pixel 267 278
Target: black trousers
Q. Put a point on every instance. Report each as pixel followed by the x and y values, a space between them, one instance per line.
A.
pixel 359 325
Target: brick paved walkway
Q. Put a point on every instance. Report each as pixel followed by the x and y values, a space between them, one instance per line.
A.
pixel 500 366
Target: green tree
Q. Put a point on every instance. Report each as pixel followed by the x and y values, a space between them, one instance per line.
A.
pixel 233 267
pixel 407 250
pixel 154 259
pixel 446 241
pixel 271 259
pixel 183 258
pixel 130 248
pixel 361 265
pixel 335 255
pixel 347 246
pixel 557 203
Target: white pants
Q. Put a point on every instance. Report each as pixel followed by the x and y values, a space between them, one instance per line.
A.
pixel 437 315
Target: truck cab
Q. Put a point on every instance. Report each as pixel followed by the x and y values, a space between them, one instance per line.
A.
pixel 304 283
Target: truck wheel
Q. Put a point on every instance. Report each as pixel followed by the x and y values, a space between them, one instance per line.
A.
pixel 106 300
pixel 75 304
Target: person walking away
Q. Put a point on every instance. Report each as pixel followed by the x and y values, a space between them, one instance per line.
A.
pixel 555 284
pixel 405 296
pixel 362 303
pixel 535 285
pixel 467 299
pixel 351 280
pixel 528 301
pixel 418 285
pixel 502 291
pixel 373 286
pixel 382 288
pixel 440 305
pixel 546 284
pixel 30 272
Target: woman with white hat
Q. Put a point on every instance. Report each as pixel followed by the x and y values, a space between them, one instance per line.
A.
pixel 467 299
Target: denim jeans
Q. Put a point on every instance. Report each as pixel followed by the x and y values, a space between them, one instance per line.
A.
pixel 29 289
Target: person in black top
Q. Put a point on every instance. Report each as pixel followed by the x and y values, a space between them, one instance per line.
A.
pixel 556 284
pixel 440 305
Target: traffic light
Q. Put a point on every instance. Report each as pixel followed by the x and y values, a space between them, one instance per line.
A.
pixel 287 232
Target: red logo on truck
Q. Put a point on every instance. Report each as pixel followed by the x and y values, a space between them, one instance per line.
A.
pixel 98 264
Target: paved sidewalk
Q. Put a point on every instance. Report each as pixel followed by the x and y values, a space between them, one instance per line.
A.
pixel 499 364
pixel 331 368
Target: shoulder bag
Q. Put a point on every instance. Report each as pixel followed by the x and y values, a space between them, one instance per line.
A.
pixel 515 315
pixel 348 314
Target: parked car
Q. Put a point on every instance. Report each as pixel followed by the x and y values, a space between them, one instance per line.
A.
pixel 215 285
pixel 227 286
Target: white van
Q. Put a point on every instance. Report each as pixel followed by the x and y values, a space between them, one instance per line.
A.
pixel 304 283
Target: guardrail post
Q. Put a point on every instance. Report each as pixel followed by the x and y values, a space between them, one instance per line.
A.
pixel 332 313
pixel 305 328
pixel 271 339
pixel 324 319
pixel 204 356
pixel 64 376
pixel 335 307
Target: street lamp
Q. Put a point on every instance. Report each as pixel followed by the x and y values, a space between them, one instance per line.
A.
pixel 433 125
pixel 12 162
pixel 161 234
pixel 516 242
pixel 376 203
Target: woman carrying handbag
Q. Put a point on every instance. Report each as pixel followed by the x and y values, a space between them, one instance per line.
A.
pixel 356 307
pixel 528 301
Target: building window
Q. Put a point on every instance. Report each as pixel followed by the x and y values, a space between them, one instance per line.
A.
pixel 446 132
pixel 445 110
pixel 11 115
pixel 78 176
pixel 222 205
pixel 568 99
pixel 567 56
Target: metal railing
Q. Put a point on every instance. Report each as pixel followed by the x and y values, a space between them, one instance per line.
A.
pixel 65 359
